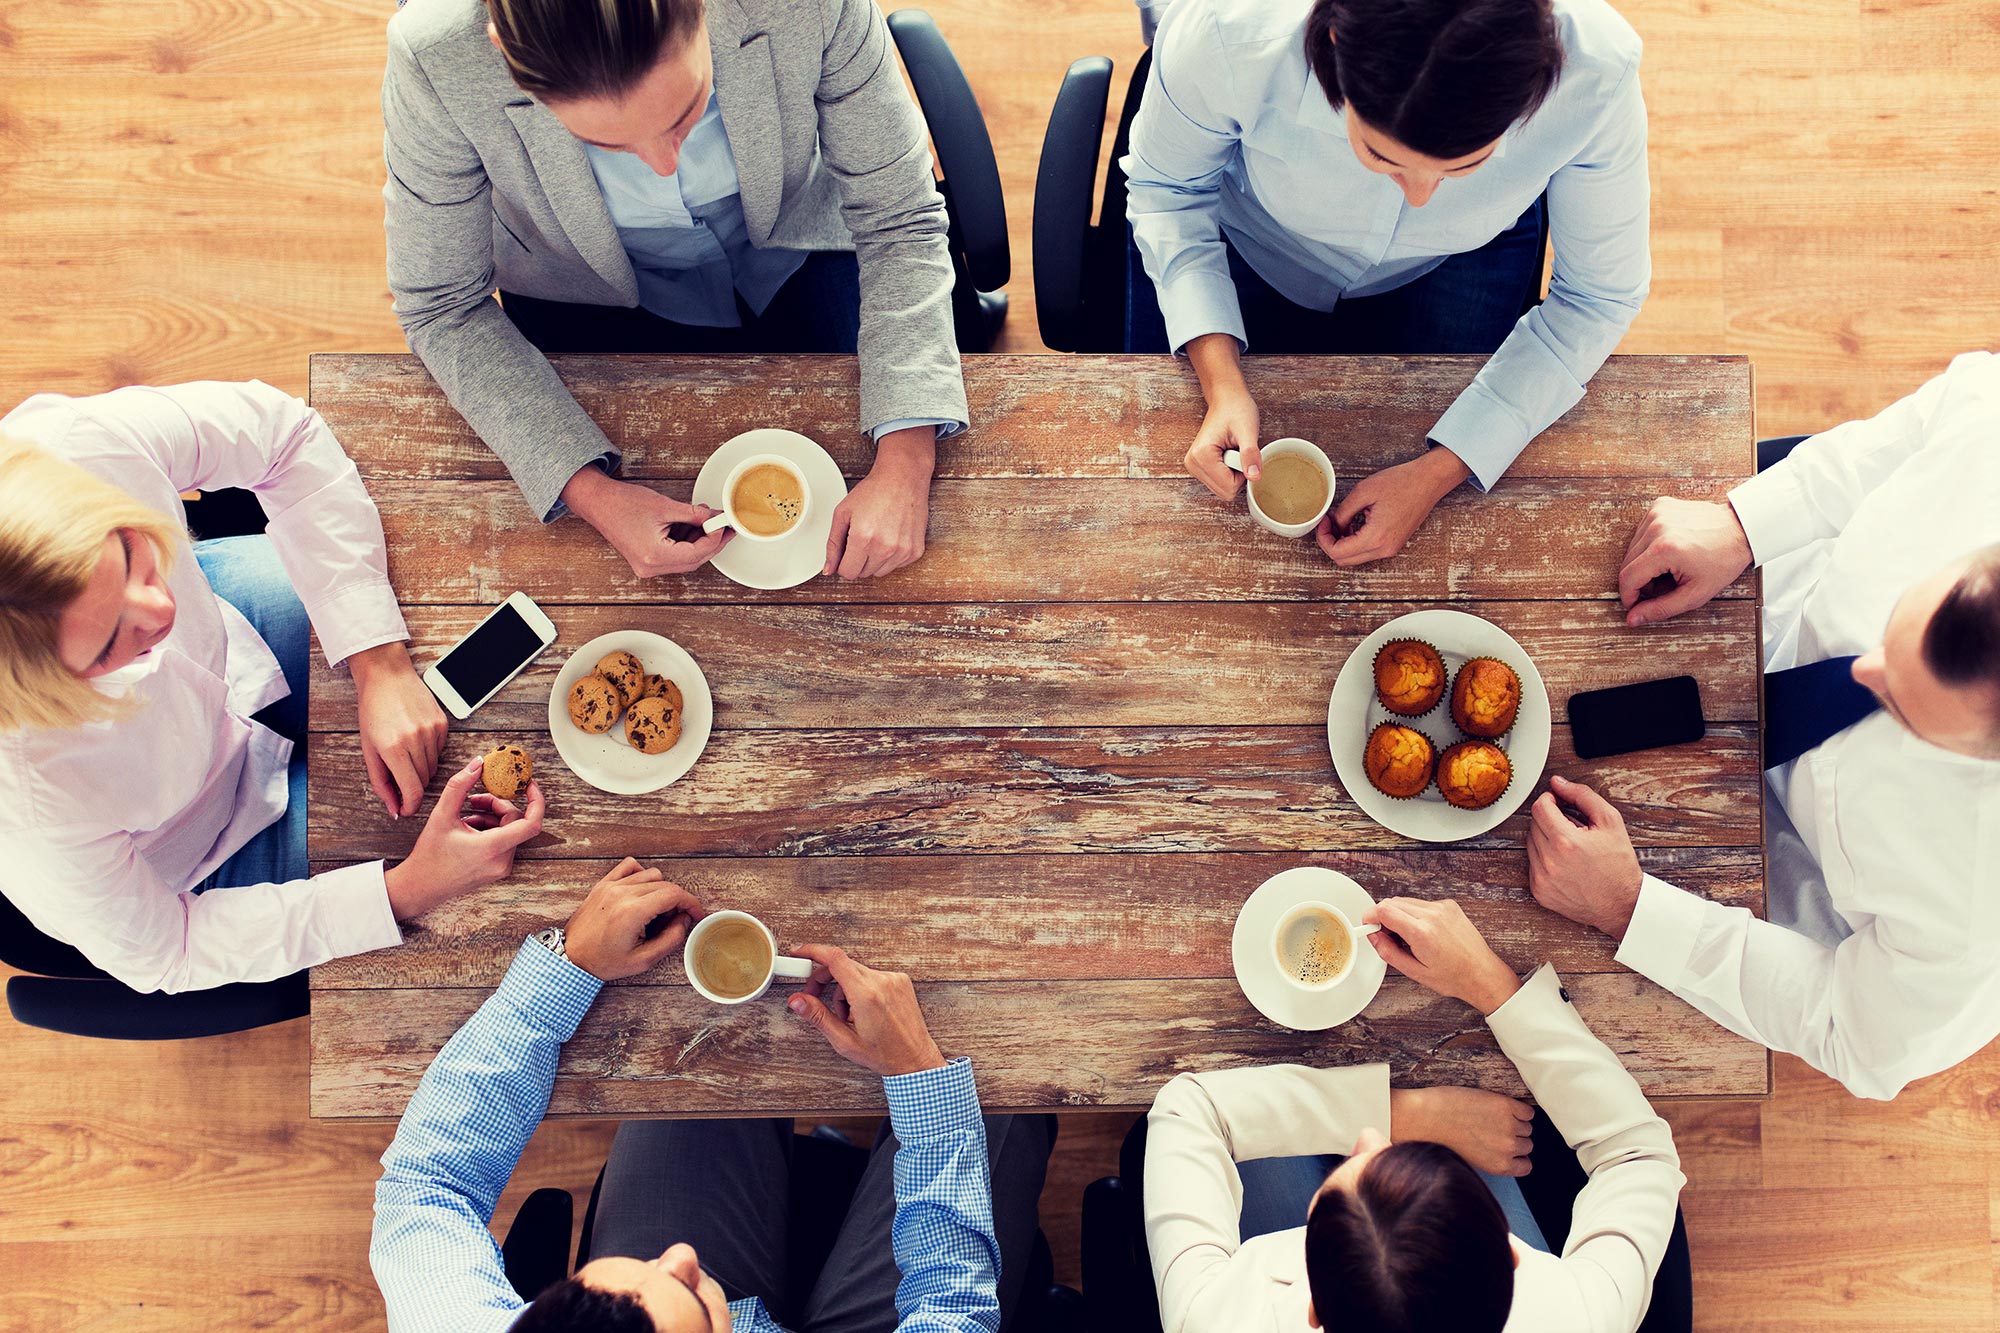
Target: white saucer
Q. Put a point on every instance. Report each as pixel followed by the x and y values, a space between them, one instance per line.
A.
pixel 1256 964
pixel 607 761
pixel 799 554
pixel 1353 712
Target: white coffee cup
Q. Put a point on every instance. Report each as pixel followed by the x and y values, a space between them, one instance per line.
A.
pixel 727 518
pixel 1278 449
pixel 794 969
pixel 1292 919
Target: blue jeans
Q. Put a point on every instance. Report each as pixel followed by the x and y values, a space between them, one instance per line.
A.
pixel 817 310
pixel 244 571
pixel 1469 303
pixel 1277 1191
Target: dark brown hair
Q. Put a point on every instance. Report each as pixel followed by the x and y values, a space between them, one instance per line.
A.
pixel 1445 77
pixel 1962 642
pixel 1418 1246
pixel 560 50
pixel 571 1307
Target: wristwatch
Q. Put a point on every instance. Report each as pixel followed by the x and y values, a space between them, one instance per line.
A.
pixel 553 940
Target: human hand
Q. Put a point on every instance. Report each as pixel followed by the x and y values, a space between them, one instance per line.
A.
pixel 402 727
pixel 1698 544
pixel 1490 1131
pixel 1231 423
pixel 1374 520
pixel 879 527
pixel 468 843
pixel 1441 950
pixel 608 934
pixel 639 522
pixel 869 1017
pixel 1587 872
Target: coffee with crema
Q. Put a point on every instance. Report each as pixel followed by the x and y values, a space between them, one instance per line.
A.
pixel 1291 490
pixel 768 500
pixel 1314 947
pixel 733 958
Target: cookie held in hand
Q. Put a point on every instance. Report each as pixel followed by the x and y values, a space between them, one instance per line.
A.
pixel 509 770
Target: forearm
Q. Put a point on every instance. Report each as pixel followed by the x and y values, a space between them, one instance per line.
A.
pixel 1217 359
pixel 943 1234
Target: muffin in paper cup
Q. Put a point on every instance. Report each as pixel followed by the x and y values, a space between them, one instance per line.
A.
pixel 1444 675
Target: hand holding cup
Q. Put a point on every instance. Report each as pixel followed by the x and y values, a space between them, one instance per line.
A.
pixel 1434 945
pixel 871 1018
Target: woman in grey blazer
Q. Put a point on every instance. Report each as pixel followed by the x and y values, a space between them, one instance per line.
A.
pixel 664 175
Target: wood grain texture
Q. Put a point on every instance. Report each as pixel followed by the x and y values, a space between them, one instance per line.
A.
pixel 915 792
pixel 1073 416
pixel 1107 664
pixel 652 1050
pixel 1028 540
pixel 1041 918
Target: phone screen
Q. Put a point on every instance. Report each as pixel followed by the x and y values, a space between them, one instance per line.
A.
pixel 490 654
pixel 1636 717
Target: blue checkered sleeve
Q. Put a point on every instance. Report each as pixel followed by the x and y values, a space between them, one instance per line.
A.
pixel 943 1233
pixel 461 1138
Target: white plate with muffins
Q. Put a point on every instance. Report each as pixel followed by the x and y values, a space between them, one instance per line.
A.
pixel 630 712
pixel 1439 725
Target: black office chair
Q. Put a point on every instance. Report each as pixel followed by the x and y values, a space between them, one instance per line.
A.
pixel 969 179
pixel 1777 449
pixel 1118 1275
pixel 826 1170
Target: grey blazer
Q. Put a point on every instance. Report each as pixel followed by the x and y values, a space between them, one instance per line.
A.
pixel 487 190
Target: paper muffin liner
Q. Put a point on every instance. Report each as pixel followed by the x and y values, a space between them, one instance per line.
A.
pixel 1518 699
pixel 1437 772
pixel 1428 783
pixel 1444 695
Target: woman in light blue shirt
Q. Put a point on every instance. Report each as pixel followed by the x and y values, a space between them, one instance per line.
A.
pixel 1370 176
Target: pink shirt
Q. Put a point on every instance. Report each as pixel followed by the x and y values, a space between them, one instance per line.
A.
pixel 105 829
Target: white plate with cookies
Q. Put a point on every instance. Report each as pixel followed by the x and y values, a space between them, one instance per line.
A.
pixel 620 743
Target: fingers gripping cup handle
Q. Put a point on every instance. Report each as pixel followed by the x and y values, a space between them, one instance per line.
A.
pixel 1233 459
pixel 791 969
pixel 718 523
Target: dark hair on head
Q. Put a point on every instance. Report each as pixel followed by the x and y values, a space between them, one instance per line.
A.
pixel 1418 1246
pixel 1962 642
pixel 571 1307
pixel 1445 77
pixel 559 50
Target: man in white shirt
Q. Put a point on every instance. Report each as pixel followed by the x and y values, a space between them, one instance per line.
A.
pixel 1880 546
pixel 1396 1237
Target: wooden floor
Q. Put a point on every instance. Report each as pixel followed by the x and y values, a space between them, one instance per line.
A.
pixel 190 189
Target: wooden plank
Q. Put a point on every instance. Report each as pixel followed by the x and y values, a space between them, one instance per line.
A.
pixel 1055 416
pixel 1103 664
pixel 1027 540
pixel 882 793
pixel 663 1050
pixel 1065 917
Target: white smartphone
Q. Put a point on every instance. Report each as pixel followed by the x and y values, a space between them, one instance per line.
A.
pixel 479 664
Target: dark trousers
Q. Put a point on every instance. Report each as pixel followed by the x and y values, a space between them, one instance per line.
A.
pixel 817 310
pixel 1469 303
pixel 726 1188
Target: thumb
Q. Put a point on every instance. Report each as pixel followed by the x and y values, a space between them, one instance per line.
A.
pixel 1253 460
pixel 1684 597
pixel 1600 811
pixel 1351 505
pixel 836 539
pixel 838 1035
pixel 451 801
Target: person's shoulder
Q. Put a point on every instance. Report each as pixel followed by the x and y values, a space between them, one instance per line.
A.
pixel 427 25
pixel 42 418
pixel 1597 40
pixel 1239 26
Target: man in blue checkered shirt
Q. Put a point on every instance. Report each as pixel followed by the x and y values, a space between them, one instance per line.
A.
pixel 691 1230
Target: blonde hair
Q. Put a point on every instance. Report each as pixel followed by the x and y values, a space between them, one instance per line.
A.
pixel 54 517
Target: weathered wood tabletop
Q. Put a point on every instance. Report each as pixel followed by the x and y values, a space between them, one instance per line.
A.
pixel 1040 769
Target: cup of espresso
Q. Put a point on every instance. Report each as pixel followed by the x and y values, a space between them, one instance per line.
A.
pixel 1315 944
pixel 764 498
pixel 732 957
pixel 1296 488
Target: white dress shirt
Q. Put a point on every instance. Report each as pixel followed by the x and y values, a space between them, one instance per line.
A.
pixel 106 828
pixel 1236 138
pixel 1901 837
pixel 1203 1124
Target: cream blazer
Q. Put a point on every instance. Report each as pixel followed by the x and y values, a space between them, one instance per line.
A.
pixel 1203 1124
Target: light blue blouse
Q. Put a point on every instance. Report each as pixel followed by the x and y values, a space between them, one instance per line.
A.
pixel 1235 138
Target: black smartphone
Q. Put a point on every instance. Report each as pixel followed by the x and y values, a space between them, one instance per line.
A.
pixel 1636 717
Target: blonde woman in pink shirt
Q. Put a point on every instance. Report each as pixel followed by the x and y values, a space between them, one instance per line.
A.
pixel 152 693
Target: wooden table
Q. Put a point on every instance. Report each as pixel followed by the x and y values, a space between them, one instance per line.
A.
pixel 1041 768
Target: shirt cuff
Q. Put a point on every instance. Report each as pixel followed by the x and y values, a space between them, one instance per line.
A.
pixel 354 904
pixel 944 427
pixel 1772 508
pixel 357 619
pixel 1200 302
pixel 557 509
pixel 933 1102
pixel 1542 988
pixel 1485 435
pixel 1661 938
pixel 550 992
